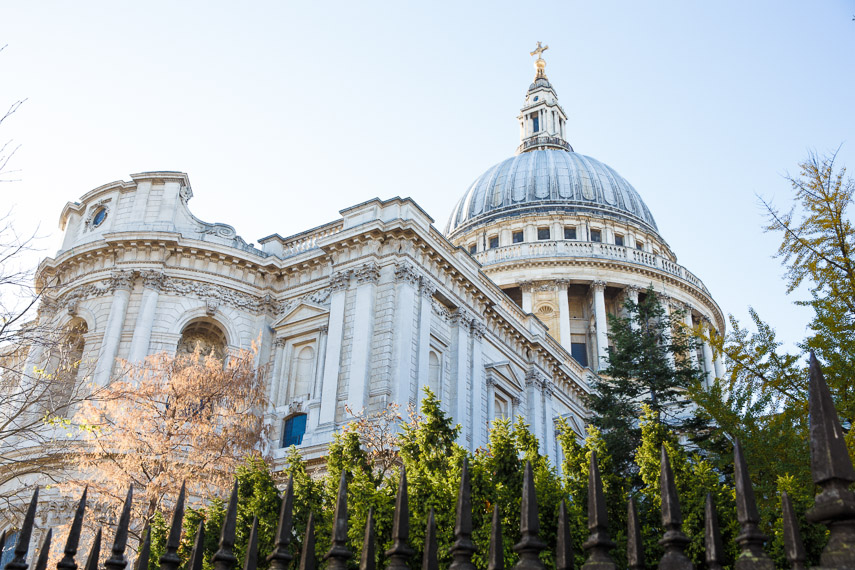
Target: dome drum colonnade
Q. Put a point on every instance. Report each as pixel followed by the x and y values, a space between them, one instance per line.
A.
pixel 569 239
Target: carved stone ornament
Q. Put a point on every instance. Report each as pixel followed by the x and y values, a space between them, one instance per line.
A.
pixel 280 342
pixel 121 280
pixel 598 286
pixel 631 290
pixel 185 193
pixel 526 286
pixel 489 381
pixel 406 273
pixel 516 401
pixel 477 329
pixel 47 308
pixel 211 306
pixel 153 280
pixel 368 273
pixel 268 305
pixel 461 318
pixel 324 329
pixel 548 387
pixel 71 307
pixel 339 281
pixel 533 378
pixel 295 407
pixel 426 288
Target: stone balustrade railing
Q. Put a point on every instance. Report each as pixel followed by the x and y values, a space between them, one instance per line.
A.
pixel 307 240
pixel 583 249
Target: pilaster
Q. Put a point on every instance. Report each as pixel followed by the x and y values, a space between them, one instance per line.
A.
pixel 367 277
pixel 426 292
pixel 599 289
pixel 152 283
pixel 339 283
pixel 121 283
pixel 407 280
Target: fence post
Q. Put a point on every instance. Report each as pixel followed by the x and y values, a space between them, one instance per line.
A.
pixel 368 561
pixel 197 555
pixel 141 563
pixel 94 553
pixel 19 562
pixel 400 552
pixel 634 546
pixel 430 560
pixel 338 553
pixel 117 559
pixel 462 549
pixel 224 557
pixel 750 539
pixel 530 545
pixel 170 559
pixel 44 552
pixel 251 560
pixel 496 555
pixel 280 558
pixel 308 560
pixel 674 541
pixel 793 546
pixel 712 536
pixel 599 543
pixel 563 544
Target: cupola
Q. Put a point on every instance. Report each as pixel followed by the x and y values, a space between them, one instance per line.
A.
pixel 543 122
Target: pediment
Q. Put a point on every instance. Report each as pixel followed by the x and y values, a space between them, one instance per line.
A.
pixel 505 371
pixel 300 313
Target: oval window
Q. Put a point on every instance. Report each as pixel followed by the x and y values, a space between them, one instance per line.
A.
pixel 99 217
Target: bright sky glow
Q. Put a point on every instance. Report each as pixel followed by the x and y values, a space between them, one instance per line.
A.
pixel 284 113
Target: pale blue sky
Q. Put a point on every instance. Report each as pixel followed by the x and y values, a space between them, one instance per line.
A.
pixel 285 113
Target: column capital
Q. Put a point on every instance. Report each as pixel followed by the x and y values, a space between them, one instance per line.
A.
pixel 489 381
pixel 324 329
pixel 548 387
pixel 340 280
pixel 153 280
pixel 280 342
pixel 426 288
pixel 562 283
pixel 516 401
pixel 534 378
pixel 462 318
pixel 632 290
pixel 477 329
pixel 368 273
pixel 526 286
pixel 121 280
pixel 598 286
pixel 406 273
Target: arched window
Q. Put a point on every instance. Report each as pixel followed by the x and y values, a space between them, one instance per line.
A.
pixel 293 430
pixel 207 336
pixel 434 373
pixel 302 373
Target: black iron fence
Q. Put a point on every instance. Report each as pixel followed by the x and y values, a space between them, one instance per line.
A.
pixel 834 507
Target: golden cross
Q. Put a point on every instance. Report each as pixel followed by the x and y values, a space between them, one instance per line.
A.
pixel 539 51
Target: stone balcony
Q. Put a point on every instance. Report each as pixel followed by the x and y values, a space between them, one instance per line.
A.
pixel 589 250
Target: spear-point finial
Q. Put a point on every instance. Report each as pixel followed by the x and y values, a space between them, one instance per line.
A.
pixel 2 541
pixel 94 553
pixel 563 545
pixel 170 559
pixel 19 562
pixel 339 554
pixel 793 546
pixel 599 543
pixel 496 555
pixel 117 559
pixel 73 540
pixel 712 537
pixel 368 561
pixel 400 553
pixel 430 559
pixel 674 541
pixel 530 545
pixel 197 556
pixel 141 563
pixel 463 548
pixel 634 546
pixel 280 558
pixel 44 552
pixel 750 538
pixel 832 471
pixel 251 560
pixel 224 557
pixel 308 561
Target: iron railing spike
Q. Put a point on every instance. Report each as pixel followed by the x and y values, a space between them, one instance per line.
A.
pixel 197 555
pixel 530 545
pixel 634 544
pixel 832 470
pixel 44 552
pixel 339 554
pixel 73 540
pixel 463 548
pixel 793 546
pixel 94 553
pixel 251 560
pixel 308 560
pixel 674 541
pixel 117 559
pixel 224 557
pixel 170 559
pixel 368 561
pixel 280 558
pixel 400 553
pixel 712 537
pixel 430 558
pixel 750 539
pixel 599 542
pixel 19 562
pixel 2 541
pixel 141 563
pixel 563 544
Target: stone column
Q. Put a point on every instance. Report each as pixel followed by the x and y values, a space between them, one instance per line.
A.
pixel 152 282
pixel 363 332
pixel 708 356
pixel 548 421
pixel 121 284
pixel 665 301
pixel 460 379
pixel 719 366
pixel 332 358
pixel 479 436
pixel 491 399
pixel 563 313
pixel 402 352
pixel 534 399
pixel 275 392
pixel 527 287
pixel 630 292
pixel 323 333
pixel 267 311
pixel 599 289
pixel 691 325
pixel 426 291
pixel 516 404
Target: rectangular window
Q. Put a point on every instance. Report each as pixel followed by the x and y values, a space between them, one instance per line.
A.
pixel 472 249
pixel 494 242
pixel 517 237
pixel 618 240
pixel 295 427
pixel 569 233
pixel 542 233
pixel 536 124
pixel 639 245
pixel 579 351
pixel 596 235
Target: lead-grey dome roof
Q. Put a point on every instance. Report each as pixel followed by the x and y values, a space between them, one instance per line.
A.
pixel 549 180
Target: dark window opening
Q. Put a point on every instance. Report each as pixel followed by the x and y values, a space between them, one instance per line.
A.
pixel 9 548
pixel 536 124
pixel 542 233
pixel 639 245
pixel 569 233
pixel 295 428
pixel 618 240
pixel 515 293
pixel 494 242
pixel 579 351
pixel 596 236
pixel 517 237
pixel 472 249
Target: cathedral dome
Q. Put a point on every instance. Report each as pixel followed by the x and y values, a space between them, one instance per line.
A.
pixel 549 180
